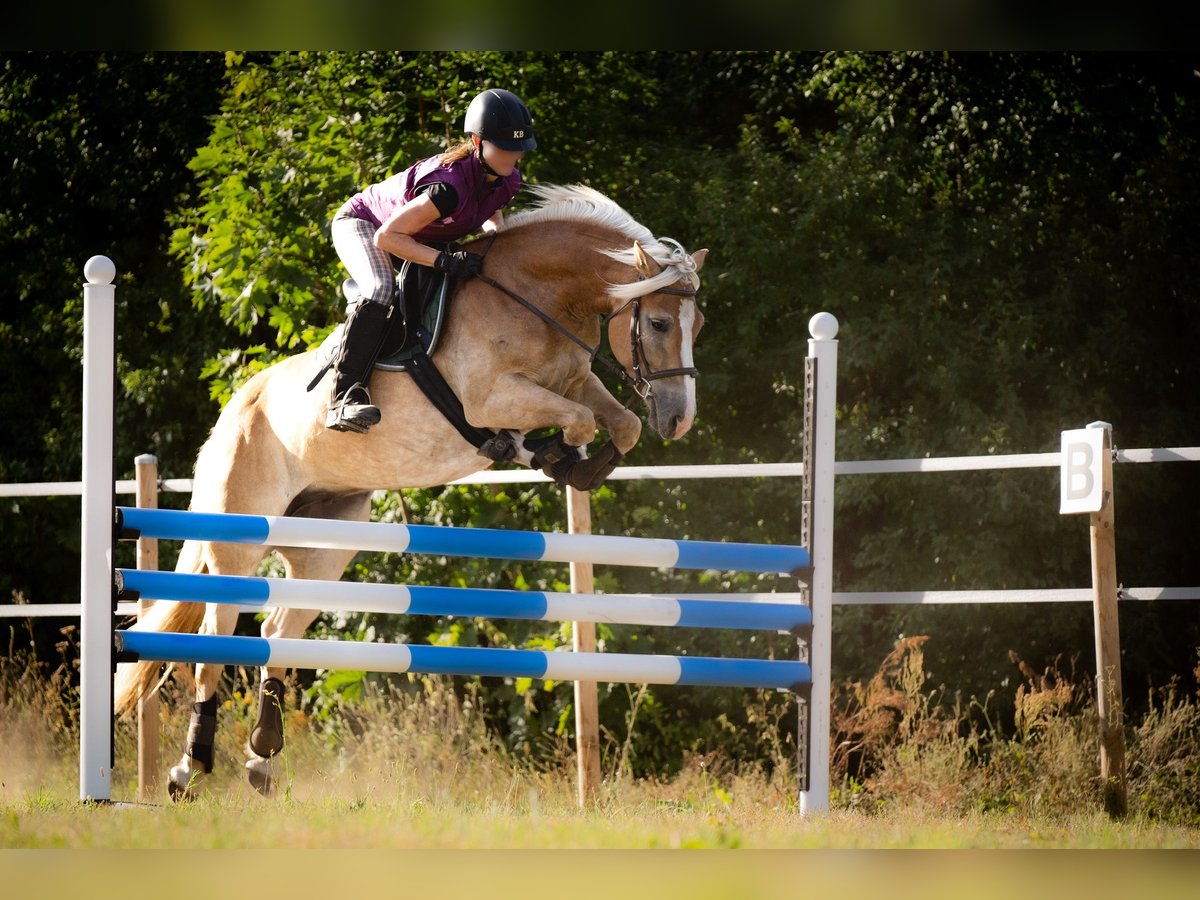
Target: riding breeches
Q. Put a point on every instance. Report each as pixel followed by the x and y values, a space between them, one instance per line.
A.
pixel 371 268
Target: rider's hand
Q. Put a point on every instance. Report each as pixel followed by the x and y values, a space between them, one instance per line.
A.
pixel 461 264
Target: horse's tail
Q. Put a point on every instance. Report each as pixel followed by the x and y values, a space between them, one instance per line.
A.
pixel 136 680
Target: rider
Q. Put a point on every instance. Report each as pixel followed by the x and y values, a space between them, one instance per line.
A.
pixel 415 215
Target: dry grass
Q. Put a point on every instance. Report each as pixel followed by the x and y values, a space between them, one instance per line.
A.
pixel 411 765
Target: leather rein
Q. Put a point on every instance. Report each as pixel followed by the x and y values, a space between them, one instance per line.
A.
pixel 643 374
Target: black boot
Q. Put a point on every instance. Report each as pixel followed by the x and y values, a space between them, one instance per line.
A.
pixel 362 337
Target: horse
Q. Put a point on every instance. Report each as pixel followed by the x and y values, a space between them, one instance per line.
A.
pixel 517 348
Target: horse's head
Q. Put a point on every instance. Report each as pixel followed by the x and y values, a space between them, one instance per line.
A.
pixel 653 335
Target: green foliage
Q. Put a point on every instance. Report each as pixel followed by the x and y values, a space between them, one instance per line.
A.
pixel 94 147
pixel 299 133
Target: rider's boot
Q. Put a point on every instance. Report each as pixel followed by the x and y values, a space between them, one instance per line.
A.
pixel 362 337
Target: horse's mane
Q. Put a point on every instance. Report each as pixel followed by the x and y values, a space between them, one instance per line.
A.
pixel 579 203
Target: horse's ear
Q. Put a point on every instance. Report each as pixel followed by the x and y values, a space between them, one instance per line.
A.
pixel 646 265
pixel 698 258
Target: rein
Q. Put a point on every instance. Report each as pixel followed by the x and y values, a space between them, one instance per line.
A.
pixel 643 374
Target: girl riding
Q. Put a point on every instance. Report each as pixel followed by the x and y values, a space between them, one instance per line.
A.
pixel 416 215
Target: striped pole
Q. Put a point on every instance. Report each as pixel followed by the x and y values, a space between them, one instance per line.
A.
pixel 288 531
pixel 425 600
pixel 485 661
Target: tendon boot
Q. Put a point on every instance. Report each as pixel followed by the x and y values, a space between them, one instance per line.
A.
pixel 362 337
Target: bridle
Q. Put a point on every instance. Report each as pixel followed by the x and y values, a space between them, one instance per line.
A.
pixel 643 375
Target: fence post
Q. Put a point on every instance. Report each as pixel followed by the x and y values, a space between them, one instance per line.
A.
pixel 823 347
pixel 96 533
pixel 146 474
pixel 583 640
pixel 1109 699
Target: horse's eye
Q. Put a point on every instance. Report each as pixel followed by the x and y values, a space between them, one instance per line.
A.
pixel 660 325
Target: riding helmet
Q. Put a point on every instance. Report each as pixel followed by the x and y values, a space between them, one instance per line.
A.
pixel 499 116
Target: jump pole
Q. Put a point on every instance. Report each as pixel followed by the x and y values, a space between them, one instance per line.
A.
pixel 96 618
pixel 823 348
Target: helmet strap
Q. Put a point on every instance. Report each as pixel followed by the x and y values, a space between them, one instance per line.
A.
pixel 482 161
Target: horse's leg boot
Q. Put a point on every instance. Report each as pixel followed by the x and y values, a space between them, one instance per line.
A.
pixel 588 474
pixel 184 780
pixel 266 739
pixel 202 733
pixel 362 338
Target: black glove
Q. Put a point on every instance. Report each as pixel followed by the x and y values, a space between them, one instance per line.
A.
pixel 460 264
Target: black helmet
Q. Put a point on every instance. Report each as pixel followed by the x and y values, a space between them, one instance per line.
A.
pixel 499 116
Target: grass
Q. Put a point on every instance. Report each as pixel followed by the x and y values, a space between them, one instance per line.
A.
pixel 412 769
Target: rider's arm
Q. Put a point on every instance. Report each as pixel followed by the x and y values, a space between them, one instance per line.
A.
pixel 395 236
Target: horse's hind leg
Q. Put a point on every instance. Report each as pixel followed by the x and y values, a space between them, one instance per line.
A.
pixel 267 736
pixel 185 780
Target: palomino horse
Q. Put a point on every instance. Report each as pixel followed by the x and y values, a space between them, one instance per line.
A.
pixel 578 258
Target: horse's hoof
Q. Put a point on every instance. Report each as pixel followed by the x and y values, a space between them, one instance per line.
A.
pixel 261 774
pixel 183 785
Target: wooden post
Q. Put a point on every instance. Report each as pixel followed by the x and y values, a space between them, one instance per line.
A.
pixel 1109 702
pixel 583 639
pixel 146 469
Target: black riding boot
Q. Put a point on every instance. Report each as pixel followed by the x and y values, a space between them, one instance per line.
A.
pixel 362 337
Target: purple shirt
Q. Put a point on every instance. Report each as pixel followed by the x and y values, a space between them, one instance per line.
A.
pixel 478 201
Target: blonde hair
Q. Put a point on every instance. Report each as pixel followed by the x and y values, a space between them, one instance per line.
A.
pixel 461 151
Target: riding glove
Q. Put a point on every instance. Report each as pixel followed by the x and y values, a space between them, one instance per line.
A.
pixel 461 264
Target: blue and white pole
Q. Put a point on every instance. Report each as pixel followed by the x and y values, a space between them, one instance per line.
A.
pixel 289 531
pixel 432 600
pixel 300 653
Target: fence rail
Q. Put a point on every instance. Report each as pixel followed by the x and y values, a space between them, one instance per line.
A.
pixel 743 470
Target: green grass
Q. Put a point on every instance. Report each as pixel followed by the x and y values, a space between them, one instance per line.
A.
pixel 242 821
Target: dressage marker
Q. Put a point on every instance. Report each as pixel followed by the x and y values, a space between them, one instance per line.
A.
pixel 100 582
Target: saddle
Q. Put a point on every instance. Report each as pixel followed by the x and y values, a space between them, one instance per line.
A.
pixel 422 297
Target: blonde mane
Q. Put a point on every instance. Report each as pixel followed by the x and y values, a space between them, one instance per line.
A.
pixel 579 203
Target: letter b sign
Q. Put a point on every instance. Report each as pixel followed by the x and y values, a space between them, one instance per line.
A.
pixel 1082 477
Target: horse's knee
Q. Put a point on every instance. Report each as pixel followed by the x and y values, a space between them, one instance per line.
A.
pixel 625 432
pixel 581 429
pixel 266 738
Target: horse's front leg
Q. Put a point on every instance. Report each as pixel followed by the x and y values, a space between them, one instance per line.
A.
pixel 623 427
pixel 266 737
pixel 519 404
pixel 186 780
pixel 516 403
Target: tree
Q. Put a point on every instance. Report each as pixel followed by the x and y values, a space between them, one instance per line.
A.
pixel 96 147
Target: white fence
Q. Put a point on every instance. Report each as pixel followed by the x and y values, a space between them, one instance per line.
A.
pixel 746 470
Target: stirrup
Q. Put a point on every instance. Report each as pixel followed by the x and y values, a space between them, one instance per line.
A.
pixel 346 415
